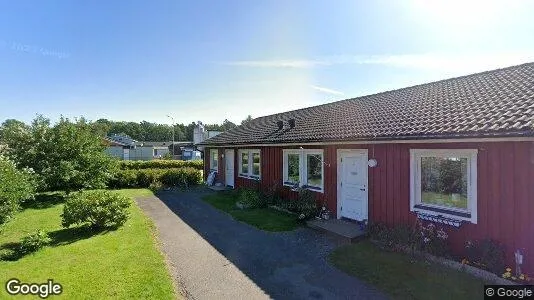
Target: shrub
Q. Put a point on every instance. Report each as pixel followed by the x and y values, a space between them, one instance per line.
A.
pixel 401 237
pixel 273 194
pixel 151 177
pixel 33 242
pixel 68 155
pixel 487 254
pixel 160 164
pixel 250 198
pixel 306 204
pixel 97 209
pixel 16 186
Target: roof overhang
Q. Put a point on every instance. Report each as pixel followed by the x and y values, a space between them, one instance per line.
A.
pixel 396 141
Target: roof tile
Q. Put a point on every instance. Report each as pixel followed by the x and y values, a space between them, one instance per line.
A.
pixel 492 103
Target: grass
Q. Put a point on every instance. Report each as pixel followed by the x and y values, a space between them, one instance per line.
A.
pixel 444 199
pixel 267 219
pixel 120 264
pixel 400 277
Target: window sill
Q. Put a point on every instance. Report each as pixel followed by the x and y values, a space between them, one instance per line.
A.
pixel 310 188
pixel 252 177
pixel 448 213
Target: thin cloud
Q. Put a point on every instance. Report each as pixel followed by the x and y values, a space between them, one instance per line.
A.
pixel 302 63
pixel 452 62
pixel 326 90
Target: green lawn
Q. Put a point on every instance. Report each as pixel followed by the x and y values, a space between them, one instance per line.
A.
pixel 120 264
pixel 398 276
pixel 444 199
pixel 263 218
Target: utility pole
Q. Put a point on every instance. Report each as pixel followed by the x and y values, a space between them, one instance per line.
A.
pixel 172 135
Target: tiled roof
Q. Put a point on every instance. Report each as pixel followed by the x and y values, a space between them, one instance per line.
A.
pixel 490 104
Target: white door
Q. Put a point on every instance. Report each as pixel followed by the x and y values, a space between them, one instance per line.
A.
pixel 229 167
pixel 353 187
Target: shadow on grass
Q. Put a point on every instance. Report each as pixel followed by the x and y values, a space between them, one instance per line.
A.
pixel 12 251
pixel 45 200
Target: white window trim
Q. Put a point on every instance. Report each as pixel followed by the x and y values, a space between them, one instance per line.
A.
pixel 303 168
pixel 285 175
pixel 214 153
pixel 250 153
pixel 415 183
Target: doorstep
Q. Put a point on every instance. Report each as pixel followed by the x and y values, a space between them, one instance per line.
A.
pixel 219 188
pixel 345 230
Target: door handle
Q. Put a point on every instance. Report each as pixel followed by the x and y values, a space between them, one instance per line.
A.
pixel 362 190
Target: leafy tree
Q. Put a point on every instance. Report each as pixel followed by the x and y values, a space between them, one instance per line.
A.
pixel 248 119
pixel 67 156
pixel 15 187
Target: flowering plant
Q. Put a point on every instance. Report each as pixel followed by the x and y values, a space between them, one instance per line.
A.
pixel 522 278
pixel 433 239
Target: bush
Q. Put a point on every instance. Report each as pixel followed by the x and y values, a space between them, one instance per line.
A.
pixel 250 198
pixel 67 156
pixel 273 194
pixel 160 164
pixel 487 254
pixel 402 237
pixel 33 242
pixel 97 209
pixel 16 186
pixel 156 177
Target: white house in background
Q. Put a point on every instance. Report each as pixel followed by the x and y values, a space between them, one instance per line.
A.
pixel 126 148
pixel 200 134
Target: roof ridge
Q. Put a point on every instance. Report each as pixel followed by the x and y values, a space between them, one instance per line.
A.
pixel 399 89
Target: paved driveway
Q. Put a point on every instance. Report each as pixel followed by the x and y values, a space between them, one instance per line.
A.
pixel 215 257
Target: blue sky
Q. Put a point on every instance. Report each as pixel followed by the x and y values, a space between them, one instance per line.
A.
pixel 216 60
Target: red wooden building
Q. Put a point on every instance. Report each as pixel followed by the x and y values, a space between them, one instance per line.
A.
pixel 458 152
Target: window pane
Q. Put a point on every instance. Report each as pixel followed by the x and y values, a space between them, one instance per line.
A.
pixel 293 166
pixel 314 169
pixel 214 159
pixel 256 163
pixel 244 163
pixel 444 181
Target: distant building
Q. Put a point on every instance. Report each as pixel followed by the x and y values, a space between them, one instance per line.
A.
pixel 200 134
pixel 126 148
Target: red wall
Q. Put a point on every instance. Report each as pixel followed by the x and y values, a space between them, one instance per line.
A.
pixel 505 189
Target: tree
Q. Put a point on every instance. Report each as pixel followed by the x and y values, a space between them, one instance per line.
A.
pixel 247 120
pixel 227 125
pixel 15 187
pixel 67 156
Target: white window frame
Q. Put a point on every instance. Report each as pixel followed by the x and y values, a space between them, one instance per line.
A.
pixel 214 153
pixel 303 168
pixel 469 214
pixel 285 172
pixel 250 154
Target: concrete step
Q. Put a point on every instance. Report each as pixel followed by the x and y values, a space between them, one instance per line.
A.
pixel 346 230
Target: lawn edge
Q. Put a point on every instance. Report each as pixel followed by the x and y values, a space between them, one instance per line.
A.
pixel 177 284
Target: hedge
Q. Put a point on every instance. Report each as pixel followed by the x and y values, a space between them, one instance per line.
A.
pixel 148 177
pixel 160 164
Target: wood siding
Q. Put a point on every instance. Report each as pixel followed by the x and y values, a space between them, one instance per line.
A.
pixel 505 187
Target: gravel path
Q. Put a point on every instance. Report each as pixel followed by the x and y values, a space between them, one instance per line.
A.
pixel 215 257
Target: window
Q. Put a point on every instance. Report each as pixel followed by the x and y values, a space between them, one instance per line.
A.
pixel 444 182
pixel 250 163
pixel 304 168
pixel 214 159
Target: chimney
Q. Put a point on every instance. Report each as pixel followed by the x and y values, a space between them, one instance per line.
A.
pixel 291 123
pixel 280 125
